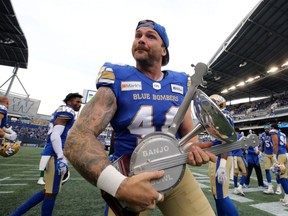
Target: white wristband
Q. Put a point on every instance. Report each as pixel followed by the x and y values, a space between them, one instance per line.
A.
pixel 222 162
pixel 275 157
pixel 110 180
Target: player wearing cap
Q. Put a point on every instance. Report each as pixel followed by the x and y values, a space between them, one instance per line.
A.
pixel 137 101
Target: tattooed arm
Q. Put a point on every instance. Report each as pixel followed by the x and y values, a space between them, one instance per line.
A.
pixel 89 158
pixel 82 148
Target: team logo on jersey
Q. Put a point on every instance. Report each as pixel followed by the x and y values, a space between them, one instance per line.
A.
pixel 177 89
pixel 131 85
pixel 106 75
pixel 156 85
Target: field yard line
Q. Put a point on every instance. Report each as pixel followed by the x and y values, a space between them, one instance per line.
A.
pixel 6 192
pixel 275 208
pixel 6 178
pixel 239 198
pixel 13 184
pixel 18 165
pixel 197 175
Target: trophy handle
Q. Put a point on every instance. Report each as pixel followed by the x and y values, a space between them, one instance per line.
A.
pixel 196 79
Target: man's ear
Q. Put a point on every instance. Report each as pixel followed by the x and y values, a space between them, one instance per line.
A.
pixel 164 51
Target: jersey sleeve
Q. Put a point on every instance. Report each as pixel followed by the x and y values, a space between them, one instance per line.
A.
pixel 65 112
pixel 273 131
pixel 3 109
pixel 106 76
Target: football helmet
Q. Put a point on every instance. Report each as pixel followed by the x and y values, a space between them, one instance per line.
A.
pixel 278 168
pixel 9 148
pixel 219 101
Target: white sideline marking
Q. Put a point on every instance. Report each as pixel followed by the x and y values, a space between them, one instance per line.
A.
pixel 26 165
pixel 6 192
pixel 197 175
pixel 3 179
pixel 239 198
pixel 204 181
pixel 29 171
pixel 25 175
pixel 203 185
pixel 13 184
pixel 275 208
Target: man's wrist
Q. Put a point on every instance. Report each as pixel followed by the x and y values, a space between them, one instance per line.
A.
pixel 275 157
pixel 110 180
pixel 60 156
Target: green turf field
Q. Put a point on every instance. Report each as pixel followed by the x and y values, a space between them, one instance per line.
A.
pixel 19 174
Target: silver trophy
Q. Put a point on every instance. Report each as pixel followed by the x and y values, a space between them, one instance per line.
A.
pixel 163 151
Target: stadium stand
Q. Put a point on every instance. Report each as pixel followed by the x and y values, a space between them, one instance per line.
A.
pixel 246 56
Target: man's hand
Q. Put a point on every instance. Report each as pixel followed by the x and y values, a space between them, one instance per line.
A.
pixel 61 166
pixel 196 156
pixel 137 192
pixel 221 172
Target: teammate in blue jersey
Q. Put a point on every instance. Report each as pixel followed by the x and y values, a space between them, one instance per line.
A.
pixel 219 172
pixel 240 165
pixel 7 136
pixel 61 121
pixel 267 146
pixel 137 101
pixel 280 159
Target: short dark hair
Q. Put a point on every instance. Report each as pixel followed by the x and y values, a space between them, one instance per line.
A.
pixel 237 129
pixel 70 96
pixel 275 126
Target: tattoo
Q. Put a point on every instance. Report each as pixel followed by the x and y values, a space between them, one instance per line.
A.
pixel 82 148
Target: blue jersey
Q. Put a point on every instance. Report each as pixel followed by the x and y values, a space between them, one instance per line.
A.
pixel 64 112
pixel 3 110
pixel 238 152
pixel 267 143
pixel 143 105
pixel 281 141
pixel 252 156
pixel 228 116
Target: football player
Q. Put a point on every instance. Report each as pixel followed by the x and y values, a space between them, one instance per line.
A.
pixel 7 136
pixel 239 163
pixel 267 145
pixel 252 158
pixel 60 123
pixel 219 172
pixel 280 159
pixel 138 100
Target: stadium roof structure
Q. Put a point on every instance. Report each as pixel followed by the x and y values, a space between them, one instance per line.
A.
pixel 13 44
pixel 258 43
